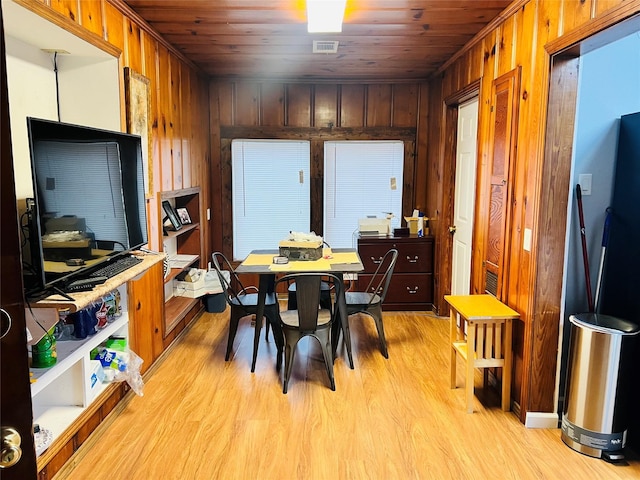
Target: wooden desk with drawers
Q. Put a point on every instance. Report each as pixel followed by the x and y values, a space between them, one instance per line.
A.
pixel 411 285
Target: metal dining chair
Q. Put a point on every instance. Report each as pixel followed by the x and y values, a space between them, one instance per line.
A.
pixel 325 293
pixel 325 296
pixel 244 302
pixel 370 300
pixel 309 319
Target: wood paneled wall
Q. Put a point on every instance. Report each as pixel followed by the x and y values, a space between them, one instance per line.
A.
pixel 530 32
pixel 318 113
pixel 179 100
pixel 188 110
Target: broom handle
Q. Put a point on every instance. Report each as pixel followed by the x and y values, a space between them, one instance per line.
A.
pixel 585 256
pixel 605 242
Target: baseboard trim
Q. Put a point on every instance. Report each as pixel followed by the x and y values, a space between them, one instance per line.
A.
pixel 541 420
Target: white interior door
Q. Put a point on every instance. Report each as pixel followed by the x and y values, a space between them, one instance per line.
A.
pixel 465 193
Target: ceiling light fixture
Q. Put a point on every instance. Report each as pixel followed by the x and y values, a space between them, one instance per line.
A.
pixel 325 15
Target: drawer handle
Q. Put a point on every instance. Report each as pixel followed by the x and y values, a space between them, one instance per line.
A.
pixel 413 290
pixel 373 259
pixel 412 260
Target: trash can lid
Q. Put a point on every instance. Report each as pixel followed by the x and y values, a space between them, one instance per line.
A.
pixel 605 323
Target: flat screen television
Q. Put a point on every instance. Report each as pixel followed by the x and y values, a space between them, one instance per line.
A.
pixel 88 206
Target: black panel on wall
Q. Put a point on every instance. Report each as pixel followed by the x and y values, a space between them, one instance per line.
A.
pixel 620 295
pixel 621 279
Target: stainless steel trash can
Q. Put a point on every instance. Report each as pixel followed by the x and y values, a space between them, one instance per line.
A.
pixel 597 404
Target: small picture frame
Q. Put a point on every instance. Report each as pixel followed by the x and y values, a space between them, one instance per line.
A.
pixel 183 215
pixel 171 215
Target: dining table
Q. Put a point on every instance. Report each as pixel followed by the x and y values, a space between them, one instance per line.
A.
pixel 338 261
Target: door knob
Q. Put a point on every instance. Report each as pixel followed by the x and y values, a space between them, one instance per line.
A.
pixel 5 322
pixel 11 451
pixel 452 229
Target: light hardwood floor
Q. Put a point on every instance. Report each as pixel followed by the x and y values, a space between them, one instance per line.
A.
pixel 203 418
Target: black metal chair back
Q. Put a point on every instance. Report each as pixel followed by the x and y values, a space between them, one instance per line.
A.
pixel 309 319
pixel 244 302
pixel 379 283
pixel 233 287
pixel 370 301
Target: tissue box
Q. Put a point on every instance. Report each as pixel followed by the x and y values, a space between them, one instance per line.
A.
pixel 417 225
pixel 414 224
pixel 116 343
pixel 106 357
pixel 300 250
pixel 96 373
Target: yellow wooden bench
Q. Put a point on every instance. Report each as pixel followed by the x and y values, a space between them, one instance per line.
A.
pixel 482 338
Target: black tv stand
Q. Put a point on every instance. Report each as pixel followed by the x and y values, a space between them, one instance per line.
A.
pixel 47 292
pixel 63 294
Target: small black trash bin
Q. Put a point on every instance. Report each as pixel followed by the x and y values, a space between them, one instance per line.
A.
pixel 214 303
pixel 597 404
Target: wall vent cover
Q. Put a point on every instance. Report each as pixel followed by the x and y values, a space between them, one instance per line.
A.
pixel 491 283
pixel 325 46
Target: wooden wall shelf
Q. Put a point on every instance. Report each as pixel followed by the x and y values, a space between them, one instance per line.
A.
pixel 185 241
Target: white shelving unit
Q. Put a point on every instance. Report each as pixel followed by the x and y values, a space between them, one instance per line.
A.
pixel 61 393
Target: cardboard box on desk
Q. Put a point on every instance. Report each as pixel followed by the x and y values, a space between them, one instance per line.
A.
pixel 300 250
pixel 417 224
pixel 207 283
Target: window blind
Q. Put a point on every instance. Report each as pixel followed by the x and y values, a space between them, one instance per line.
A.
pixel 271 194
pixel 361 178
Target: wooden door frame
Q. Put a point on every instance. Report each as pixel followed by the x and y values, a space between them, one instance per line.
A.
pixel 541 341
pixel 16 409
pixel 540 349
pixel 444 259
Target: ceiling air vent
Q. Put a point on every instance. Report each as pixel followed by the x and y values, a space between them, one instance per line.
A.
pixel 325 46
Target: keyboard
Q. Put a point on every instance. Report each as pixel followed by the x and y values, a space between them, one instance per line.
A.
pixel 84 284
pixel 117 266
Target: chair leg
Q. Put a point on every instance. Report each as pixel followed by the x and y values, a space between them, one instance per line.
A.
pixel 266 331
pixel 325 300
pixel 343 321
pixel 324 337
pixel 376 313
pixel 278 337
pixel 291 340
pixel 256 342
pixel 292 301
pixel 234 320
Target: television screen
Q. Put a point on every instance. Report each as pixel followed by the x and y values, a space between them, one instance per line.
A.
pixel 88 206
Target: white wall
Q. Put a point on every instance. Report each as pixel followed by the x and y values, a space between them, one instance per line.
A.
pixel 88 83
pixel 31 84
pixel 609 87
pixel 89 91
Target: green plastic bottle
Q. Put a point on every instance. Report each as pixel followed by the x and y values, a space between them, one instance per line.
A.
pixel 43 353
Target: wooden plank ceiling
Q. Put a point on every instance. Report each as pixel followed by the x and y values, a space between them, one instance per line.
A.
pixel 267 39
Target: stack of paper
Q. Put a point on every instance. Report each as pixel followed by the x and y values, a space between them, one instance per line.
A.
pixel 181 261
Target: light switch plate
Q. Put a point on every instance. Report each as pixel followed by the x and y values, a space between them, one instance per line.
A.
pixel 584 179
pixel 527 239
